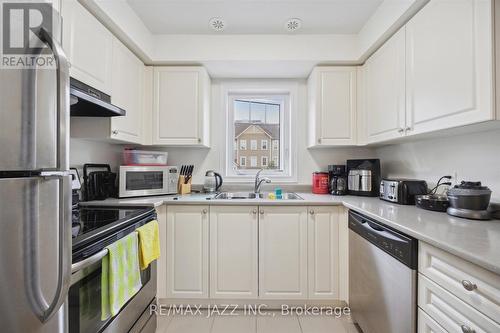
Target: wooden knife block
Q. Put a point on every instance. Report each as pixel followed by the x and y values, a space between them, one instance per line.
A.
pixel 184 188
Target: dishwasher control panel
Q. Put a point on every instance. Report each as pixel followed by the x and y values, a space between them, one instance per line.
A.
pixel 398 245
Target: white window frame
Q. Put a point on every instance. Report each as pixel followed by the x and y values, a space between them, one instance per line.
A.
pixel 243 146
pixel 262 161
pixel 240 89
pixel 275 144
pixel 252 159
pixel 262 144
pixel 253 144
pixel 243 160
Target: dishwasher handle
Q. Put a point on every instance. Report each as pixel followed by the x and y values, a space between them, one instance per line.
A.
pixel 402 247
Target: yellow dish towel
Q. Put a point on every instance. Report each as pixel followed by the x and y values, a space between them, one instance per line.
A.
pixel 149 244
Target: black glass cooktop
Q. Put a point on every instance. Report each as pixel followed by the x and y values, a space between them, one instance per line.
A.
pixel 88 219
pixel 92 226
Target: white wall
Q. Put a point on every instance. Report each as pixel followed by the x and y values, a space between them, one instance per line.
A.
pixel 85 151
pixel 309 160
pixel 474 157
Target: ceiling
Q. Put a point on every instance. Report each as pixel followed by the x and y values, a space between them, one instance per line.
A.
pixel 254 16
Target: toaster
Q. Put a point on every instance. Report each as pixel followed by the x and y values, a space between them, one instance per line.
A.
pixel 402 191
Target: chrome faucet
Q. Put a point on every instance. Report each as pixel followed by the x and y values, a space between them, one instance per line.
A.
pixel 259 181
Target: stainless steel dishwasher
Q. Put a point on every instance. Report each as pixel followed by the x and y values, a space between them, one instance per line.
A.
pixel 382 277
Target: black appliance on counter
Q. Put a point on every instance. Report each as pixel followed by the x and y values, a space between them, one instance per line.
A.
pixel 469 200
pixel 402 191
pixel 363 177
pixel 337 180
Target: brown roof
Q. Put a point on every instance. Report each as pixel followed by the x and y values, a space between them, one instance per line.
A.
pixel 272 129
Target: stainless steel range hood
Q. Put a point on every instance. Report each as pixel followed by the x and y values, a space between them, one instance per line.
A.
pixel 89 102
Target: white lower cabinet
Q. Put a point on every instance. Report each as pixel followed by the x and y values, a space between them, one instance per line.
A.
pixel 428 325
pixel 187 251
pixel 283 252
pixel 323 252
pixel 251 252
pixel 234 252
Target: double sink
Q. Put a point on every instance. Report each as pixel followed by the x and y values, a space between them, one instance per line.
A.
pixel 254 196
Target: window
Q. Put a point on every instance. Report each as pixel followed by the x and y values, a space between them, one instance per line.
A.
pixel 263 144
pixel 253 161
pixel 243 161
pixel 275 144
pixel 253 144
pixel 243 144
pixel 262 114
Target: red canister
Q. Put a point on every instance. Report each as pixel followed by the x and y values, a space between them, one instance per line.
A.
pixel 320 183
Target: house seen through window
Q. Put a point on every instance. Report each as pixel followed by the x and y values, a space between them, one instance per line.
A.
pixel 257 122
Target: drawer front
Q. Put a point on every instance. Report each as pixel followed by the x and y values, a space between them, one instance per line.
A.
pixel 450 312
pixel 472 284
pixel 428 325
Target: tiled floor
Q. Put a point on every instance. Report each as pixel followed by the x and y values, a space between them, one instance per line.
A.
pixel 272 323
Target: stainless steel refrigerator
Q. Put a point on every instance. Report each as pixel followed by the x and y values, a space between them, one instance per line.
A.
pixel 35 195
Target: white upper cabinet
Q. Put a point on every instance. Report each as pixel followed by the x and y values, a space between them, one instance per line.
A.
pixel 283 252
pixel 332 106
pixel 383 92
pixel 449 65
pixel 234 252
pixel 88 46
pixel 127 93
pixel 181 106
pixel 323 252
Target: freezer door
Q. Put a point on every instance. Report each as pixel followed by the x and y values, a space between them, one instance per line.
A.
pixel 35 220
pixel 33 124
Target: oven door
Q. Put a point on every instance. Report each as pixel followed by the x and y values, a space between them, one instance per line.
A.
pixel 84 299
pixel 143 180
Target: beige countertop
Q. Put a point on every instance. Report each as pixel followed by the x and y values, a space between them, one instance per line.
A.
pixel 475 241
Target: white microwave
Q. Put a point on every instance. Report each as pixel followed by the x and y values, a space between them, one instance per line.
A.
pixel 137 181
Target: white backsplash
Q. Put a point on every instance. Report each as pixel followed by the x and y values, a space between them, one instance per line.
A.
pixel 474 157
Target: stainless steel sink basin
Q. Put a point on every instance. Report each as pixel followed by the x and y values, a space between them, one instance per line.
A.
pixel 253 196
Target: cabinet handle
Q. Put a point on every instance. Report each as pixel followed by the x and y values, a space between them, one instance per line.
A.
pixel 199 140
pixel 469 286
pixel 311 212
pixel 204 211
pixel 115 132
pixel 319 140
pixel 254 212
pixel 401 130
pixel 467 329
pixel 408 129
pixel 261 212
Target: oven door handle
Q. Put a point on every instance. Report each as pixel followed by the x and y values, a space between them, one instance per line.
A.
pixel 87 262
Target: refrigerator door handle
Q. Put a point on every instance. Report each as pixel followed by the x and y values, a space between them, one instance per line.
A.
pixel 63 103
pixel 45 310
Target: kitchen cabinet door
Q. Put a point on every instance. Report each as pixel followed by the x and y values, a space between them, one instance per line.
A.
pixel 323 252
pixel 384 91
pixel 332 106
pixel 127 93
pixel 88 46
pixel 187 252
pixel 233 252
pixel 449 65
pixel 181 106
pixel 282 252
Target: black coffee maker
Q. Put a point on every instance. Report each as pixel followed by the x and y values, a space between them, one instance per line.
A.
pixel 337 180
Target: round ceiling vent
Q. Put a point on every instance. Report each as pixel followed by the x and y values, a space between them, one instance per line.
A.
pixel 217 24
pixel 293 24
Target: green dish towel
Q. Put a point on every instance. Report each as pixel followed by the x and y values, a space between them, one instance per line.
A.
pixel 120 278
